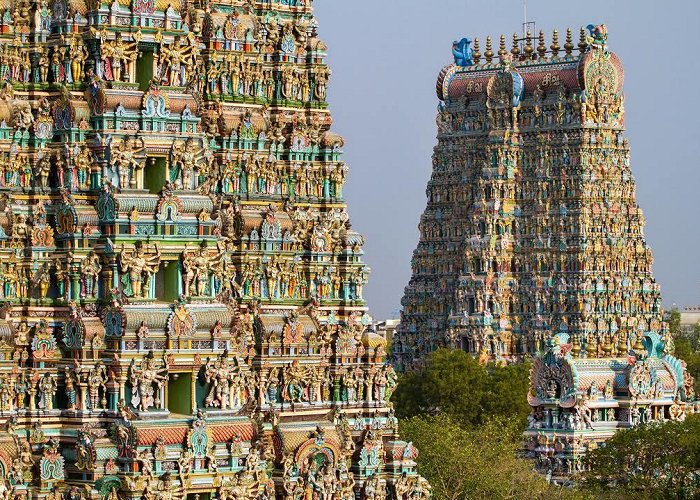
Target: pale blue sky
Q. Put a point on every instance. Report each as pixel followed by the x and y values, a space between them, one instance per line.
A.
pixel 386 55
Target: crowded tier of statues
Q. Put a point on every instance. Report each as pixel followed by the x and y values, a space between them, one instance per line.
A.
pixel 181 287
pixel 532 244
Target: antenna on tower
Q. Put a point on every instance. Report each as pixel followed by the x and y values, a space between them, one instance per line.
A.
pixel 528 26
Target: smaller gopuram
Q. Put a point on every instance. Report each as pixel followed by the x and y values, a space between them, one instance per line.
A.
pixel 581 397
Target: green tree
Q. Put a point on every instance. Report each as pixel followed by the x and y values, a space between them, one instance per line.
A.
pixel 674 321
pixel 456 384
pixel 475 463
pixel 686 346
pixel 649 461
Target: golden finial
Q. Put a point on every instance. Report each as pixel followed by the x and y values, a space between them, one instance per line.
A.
pixel 555 43
pixel 576 346
pixel 502 48
pixel 489 53
pixel 591 346
pixel 568 46
pixel 638 347
pixel 541 47
pixel 528 46
pixel 607 346
pixel 582 42
pixel 515 50
pixel 476 55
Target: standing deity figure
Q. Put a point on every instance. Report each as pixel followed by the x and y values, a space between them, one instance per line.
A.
pixel 78 56
pixel 139 266
pixel 146 379
pixel 71 384
pixel 96 384
pixel 124 161
pixel 295 379
pixel 198 265
pixel 43 64
pixel 272 386
pixel 90 275
pixel 119 56
pixel 82 161
pixel 221 374
pixel 42 280
pixel 63 280
pixel 176 62
pixel 185 159
pixel 47 391
pixel 43 168
pixel 322 76
pixel 56 65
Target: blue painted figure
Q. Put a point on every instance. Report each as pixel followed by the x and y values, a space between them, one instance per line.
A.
pixel 462 52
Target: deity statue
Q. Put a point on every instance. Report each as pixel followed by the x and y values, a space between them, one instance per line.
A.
pixel 82 162
pixel 139 266
pixel 221 375
pixel 43 63
pixel 185 164
pixel 42 280
pixel 118 57
pixel 90 274
pixel 176 62
pixel 125 162
pixel 43 168
pixel 78 56
pixel 146 380
pixel 96 385
pixel 70 383
pixel 198 264
pixel 164 488
pixel 47 391
pixel 85 452
pixel 296 380
pixel 22 116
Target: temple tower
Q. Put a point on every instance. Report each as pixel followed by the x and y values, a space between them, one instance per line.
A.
pixel 532 227
pixel 183 314
pixel 532 244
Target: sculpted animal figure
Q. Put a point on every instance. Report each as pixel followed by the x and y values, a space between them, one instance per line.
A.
pixel 462 52
pixel 598 34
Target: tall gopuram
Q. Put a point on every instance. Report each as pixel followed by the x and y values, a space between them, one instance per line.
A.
pixel 182 308
pixel 532 244
pixel 531 227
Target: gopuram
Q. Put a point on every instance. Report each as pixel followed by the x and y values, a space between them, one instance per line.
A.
pixel 532 244
pixel 531 227
pixel 182 313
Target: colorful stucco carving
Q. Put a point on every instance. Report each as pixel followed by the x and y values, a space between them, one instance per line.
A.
pixel 182 307
pixel 532 243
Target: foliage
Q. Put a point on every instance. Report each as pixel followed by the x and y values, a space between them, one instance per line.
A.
pixel 474 463
pixel 687 346
pixel 665 462
pixel 674 321
pixel 456 384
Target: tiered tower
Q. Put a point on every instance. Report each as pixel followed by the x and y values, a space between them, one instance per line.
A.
pixel 182 291
pixel 532 227
pixel 532 244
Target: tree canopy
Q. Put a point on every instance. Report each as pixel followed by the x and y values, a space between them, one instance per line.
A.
pixel 657 460
pixel 454 383
pixel 687 346
pixel 480 462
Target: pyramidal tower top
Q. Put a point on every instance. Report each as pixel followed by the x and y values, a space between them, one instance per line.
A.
pixel 532 227
pixel 182 291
